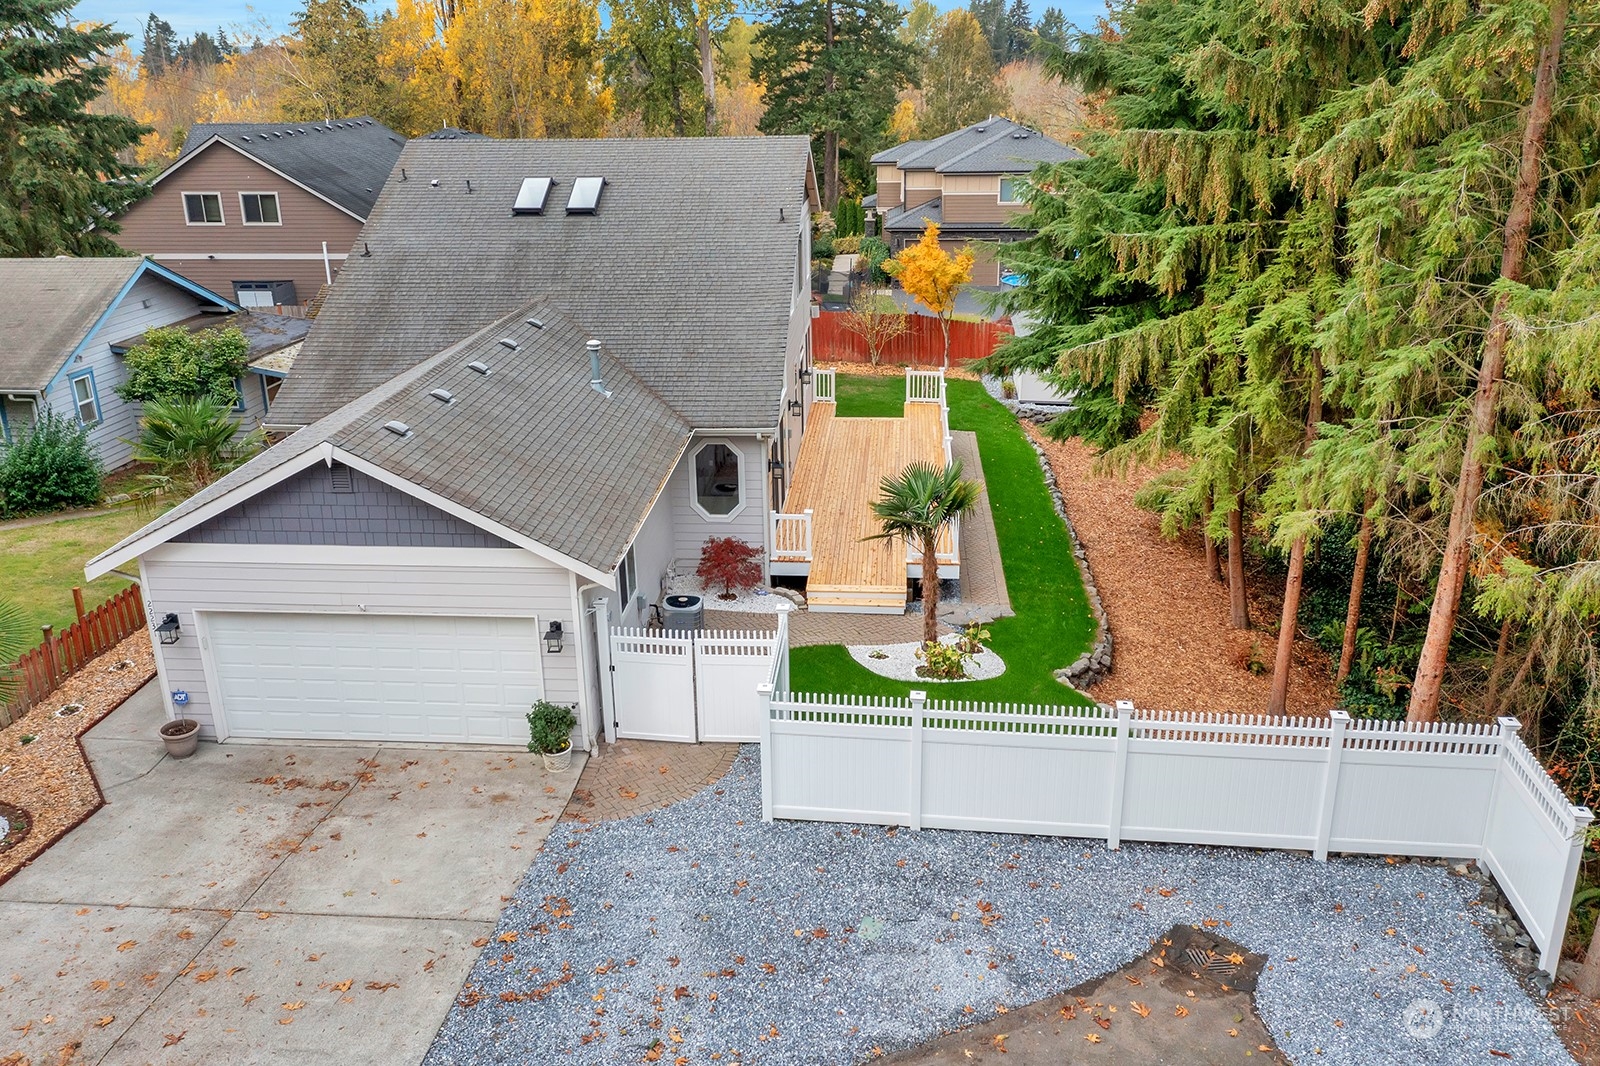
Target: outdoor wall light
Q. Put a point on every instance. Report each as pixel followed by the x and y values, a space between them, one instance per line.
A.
pixel 804 373
pixel 794 407
pixel 553 638
pixel 775 466
pixel 169 629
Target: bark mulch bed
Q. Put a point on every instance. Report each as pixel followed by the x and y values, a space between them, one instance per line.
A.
pixel 49 777
pixel 1174 649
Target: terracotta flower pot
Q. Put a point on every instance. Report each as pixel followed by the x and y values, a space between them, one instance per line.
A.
pixel 181 735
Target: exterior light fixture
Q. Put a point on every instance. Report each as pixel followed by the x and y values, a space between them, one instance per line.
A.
pixel 775 465
pixel 804 374
pixel 169 629
pixel 794 407
pixel 553 638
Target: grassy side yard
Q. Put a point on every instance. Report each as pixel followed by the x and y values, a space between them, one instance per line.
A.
pixel 40 564
pixel 1052 626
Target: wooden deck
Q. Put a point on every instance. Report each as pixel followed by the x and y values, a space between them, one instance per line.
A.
pixel 836 477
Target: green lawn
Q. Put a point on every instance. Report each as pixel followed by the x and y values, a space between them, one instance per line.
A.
pixel 1052 626
pixel 40 564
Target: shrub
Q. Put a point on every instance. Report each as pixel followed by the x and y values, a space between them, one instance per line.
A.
pixel 942 662
pixel 973 637
pixel 51 466
pixel 846 245
pixel 173 364
pixel 877 252
pixel 731 563
pixel 191 443
pixel 550 727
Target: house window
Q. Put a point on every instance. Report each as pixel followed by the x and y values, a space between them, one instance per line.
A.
pixel 718 482
pixel 84 399
pixel 1010 190
pixel 238 393
pixel 259 208
pixel 202 208
pixel 627 580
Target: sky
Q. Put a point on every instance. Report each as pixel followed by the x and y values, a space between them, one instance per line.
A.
pixel 264 17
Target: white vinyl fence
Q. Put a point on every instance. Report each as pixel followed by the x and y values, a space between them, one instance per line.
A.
pixel 686 685
pixel 1316 784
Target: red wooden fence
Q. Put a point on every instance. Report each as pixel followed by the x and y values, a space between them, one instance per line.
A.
pixel 921 345
pixel 95 632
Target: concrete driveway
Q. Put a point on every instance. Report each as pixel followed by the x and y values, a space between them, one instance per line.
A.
pixel 311 902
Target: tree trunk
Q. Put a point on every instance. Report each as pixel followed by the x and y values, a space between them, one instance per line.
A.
pixel 1457 553
pixel 1588 979
pixel 1213 564
pixel 1497 671
pixel 930 587
pixel 1527 664
pixel 708 72
pixel 944 327
pixel 1238 606
pixel 1352 614
pixel 1283 663
pixel 830 139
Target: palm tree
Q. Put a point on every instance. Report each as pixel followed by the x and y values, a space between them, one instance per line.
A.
pixel 14 632
pixel 916 503
pixel 191 443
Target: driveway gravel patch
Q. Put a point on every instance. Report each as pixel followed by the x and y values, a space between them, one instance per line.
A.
pixel 698 934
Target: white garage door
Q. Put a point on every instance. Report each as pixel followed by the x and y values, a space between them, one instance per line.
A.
pixel 376 677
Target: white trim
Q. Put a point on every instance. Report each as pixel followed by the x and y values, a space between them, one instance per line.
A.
pixel 219 717
pixel 466 514
pixel 256 160
pixel 105 562
pixel 579 636
pixel 155 645
pixel 293 256
pixel 277 205
pixel 221 214
pixel 346 555
pixel 700 445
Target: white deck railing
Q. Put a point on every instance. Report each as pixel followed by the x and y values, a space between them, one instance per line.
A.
pixel 947 548
pixel 925 386
pixel 824 388
pixel 1323 785
pixel 791 537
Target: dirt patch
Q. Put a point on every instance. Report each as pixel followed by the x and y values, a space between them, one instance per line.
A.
pixel 1577 1021
pixel 1174 649
pixel 49 776
pixel 1157 1009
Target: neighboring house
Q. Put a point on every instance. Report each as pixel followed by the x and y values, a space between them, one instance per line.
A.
pixel 966 182
pixel 563 367
pixel 264 212
pixel 66 323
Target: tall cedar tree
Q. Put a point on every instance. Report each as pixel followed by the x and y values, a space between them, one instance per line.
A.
pixel 831 69
pixel 59 164
pixel 334 69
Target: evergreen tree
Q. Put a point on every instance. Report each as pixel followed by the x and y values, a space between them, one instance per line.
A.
pixel 1051 30
pixel 59 165
pixel 334 69
pixel 831 69
pixel 1019 30
pixel 160 48
pixel 991 16
pixel 959 82
pixel 199 51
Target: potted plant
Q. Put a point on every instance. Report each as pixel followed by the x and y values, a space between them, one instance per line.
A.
pixel 181 736
pixel 550 728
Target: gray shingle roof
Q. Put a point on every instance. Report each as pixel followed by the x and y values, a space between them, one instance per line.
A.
pixel 530 445
pixel 266 332
pixel 993 146
pixel 893 155
pixel 49 307
pixel 686 272
pixel 346 161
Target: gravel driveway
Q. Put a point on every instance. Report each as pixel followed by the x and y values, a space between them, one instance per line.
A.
pixel 724 938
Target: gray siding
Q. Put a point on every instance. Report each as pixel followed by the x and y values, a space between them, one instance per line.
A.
pixel 119 420
pixel 305 510
pixel 183 587
pixel 691 529
pixel 653 552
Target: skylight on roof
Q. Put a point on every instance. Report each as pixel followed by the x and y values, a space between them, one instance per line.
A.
pixel 585 198
pixel 531 197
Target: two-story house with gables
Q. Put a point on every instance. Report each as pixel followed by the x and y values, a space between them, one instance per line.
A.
pixel 264 212
pixel 965 182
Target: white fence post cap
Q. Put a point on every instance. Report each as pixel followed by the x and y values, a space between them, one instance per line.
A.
pixel 919 695
pixel 1124 706
pixel 1509 724
pixel 764 688
pixel 1339 715
pixel 785 607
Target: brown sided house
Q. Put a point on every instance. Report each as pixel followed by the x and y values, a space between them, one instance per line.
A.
pixel 264 213
pixel 965 182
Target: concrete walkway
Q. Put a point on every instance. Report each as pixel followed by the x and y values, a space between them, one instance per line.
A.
pixel 307 903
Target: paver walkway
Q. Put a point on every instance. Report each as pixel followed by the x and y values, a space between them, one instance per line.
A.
pixel 633 776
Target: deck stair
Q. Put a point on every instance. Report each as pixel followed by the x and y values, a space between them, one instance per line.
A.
pixel 836 479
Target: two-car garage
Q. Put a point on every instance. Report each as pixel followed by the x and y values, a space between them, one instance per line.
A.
pixel 365 676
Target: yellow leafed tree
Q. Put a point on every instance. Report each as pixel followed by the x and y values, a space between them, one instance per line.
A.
pixel 933 277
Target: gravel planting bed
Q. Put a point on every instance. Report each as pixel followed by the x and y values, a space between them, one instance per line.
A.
pixel 759 600
pixel 900 661
pixel 729 940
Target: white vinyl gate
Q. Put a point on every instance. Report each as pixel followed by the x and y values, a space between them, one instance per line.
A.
pixel 688 685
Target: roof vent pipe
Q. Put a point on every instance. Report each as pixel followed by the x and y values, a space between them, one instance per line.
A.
pixel 596 382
